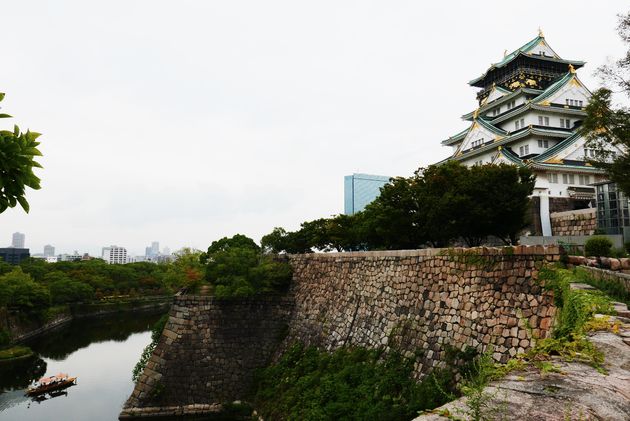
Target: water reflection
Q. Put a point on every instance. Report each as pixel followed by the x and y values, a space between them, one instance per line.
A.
pixel 100 352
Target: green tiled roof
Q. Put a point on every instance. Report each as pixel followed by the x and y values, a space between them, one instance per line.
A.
pixel 511 156
pixel 557 147
pixel 524 50
pixel 483 123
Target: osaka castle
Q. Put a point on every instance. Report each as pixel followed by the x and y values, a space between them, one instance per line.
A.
pixel 531 104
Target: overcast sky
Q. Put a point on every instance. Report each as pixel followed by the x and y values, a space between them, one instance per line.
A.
pixel 186 121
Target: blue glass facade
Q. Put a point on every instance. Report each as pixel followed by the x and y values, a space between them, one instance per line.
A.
pixel 361 189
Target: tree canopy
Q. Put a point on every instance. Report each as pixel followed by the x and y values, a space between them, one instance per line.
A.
pixel 236 267
pixel 607 124
pixel 434 207
pixel 17 160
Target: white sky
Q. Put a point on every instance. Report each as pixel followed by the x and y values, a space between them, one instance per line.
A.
pixel 186 121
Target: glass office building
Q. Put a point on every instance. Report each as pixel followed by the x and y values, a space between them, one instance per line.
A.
pixel 612 209
pixel 361 189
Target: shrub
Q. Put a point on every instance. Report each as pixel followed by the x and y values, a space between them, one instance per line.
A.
pixel 349 384
pixel 598 246
pixel 627 246
pixel 236 267
pixel 618 252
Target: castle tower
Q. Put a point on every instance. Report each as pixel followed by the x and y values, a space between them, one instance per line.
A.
pixel 531 104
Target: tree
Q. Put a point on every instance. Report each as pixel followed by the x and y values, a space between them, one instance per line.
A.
pixel 17 160
pixel 606 125
pixel 18 289
pixel 236 267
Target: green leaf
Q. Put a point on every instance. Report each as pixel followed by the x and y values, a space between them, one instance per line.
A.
pixel 5 116
pixel 23 203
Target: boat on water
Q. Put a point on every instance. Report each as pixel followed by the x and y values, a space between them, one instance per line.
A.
pixel 51 384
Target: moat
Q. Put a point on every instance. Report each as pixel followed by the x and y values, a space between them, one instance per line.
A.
pixel 101 352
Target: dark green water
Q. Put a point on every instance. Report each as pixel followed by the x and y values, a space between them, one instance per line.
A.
pixel 101 352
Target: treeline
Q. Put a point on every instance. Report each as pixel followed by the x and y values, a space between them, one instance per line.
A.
pixel 435 207
pixel 36 285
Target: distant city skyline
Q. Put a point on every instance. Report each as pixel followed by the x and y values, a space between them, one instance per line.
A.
pixel 244 116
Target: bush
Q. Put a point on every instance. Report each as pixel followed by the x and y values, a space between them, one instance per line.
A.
pixel 598 246
pixel 618 252
pixel 349 384
pixel 236 267
pixel 627 246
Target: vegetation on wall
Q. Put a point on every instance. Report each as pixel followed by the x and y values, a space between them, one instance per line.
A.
pixel 156 332
pixel 434 207
pixel 349 384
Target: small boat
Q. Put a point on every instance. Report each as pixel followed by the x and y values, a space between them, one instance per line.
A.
pixel 50 384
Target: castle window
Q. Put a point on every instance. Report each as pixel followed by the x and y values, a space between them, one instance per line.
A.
pixel 511 104
pixel 565 123
pixel 543 121
pixel 543 143
pixel 523 150
pixel 553 178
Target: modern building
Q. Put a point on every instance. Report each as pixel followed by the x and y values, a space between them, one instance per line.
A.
pixel 70 257
pixel 14 255
pixel 49 250
pixel 18 240
pixel 531 104
pixel 115 255
pixel 613 209
pixel 360 190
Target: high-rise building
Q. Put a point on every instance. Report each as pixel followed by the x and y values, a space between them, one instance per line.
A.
pixel 115 255
pixel 531 104
pixel 361 189
pixel 18 240
pixel 14 255
pixel 155 248
pixel 49 250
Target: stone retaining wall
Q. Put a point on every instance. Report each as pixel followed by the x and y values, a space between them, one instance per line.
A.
pixel 621 278
pixel 419 299
pixel 207 354
pixel 575 222
pixel 424 299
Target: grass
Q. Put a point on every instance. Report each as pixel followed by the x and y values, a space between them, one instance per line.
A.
pixel 15 352
pixel 614 289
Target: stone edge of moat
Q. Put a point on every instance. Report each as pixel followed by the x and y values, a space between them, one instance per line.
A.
pixel 65 318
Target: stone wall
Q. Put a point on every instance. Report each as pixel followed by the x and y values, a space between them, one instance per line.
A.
pixel 623 279
pixel 424 299
pixel 207 354
pixel 421 299
pixel 575 222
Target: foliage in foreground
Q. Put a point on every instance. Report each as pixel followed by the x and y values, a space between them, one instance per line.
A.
pixel 236 267
pixel 18 151
pixel 349 384
pixel 156 332
pixel 437 205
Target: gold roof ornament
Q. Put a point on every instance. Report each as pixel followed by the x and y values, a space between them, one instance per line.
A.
pixel 571 68
pixel 476 114
pixel 500 148
pixel 540 33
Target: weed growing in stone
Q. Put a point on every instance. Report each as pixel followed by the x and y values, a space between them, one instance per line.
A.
pixel 148 350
